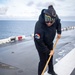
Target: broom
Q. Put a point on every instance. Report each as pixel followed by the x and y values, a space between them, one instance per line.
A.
pixel 49 58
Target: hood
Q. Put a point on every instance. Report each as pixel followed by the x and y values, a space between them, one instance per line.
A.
pixel 41 17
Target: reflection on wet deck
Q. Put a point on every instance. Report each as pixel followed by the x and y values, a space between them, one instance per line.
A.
pixel 6 66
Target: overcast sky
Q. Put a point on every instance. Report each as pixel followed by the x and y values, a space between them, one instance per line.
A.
pixel 30 9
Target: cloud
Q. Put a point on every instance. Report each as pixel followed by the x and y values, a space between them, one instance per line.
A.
pixel 3 10
pixel 43 5
pixel 65 8
pixel 30 3
pixel 61 0
pixel 31 9
pixel 20 10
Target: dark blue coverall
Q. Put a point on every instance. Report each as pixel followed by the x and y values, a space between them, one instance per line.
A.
pixel 43 38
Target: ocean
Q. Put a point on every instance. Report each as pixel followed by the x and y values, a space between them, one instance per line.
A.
pixel 10 28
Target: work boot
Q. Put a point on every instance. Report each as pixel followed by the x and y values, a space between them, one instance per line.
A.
pixel 52 73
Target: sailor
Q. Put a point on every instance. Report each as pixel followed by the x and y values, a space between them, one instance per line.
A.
pixel 45 30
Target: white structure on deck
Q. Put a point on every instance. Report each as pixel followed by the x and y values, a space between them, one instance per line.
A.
pixel 15 38
pixel 23 37
pixel 66 65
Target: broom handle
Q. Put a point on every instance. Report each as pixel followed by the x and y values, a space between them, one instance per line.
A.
pixel 49 58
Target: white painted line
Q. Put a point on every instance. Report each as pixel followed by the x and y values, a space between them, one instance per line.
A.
pixel 66 65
